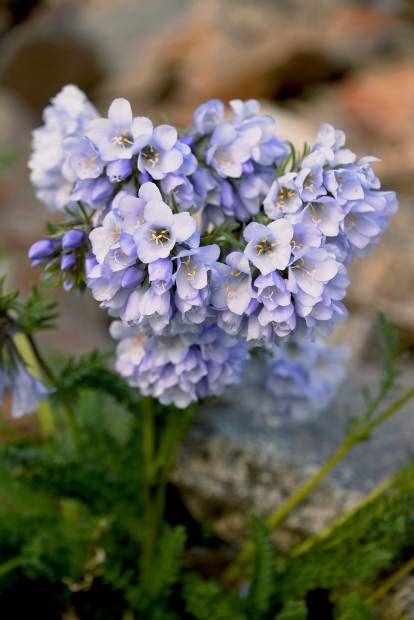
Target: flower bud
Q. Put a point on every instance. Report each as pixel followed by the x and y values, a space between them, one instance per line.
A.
pixel 72 239
pixel 67 261
pixel 43 249
pixel 132 277
pixel 119 170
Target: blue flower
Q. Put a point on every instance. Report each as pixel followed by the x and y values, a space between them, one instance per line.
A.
pixel 283 197
pixel 304 236
pixel 161 155
pixel 367 219
pixel 268 247
pixel 232 284
pixel 82 158
pixel 161 231
pixel 309 183
pixel 181 188
pixel 304 377
pixel 326 214
pixel 328 149
pixel 112 288
pixel 67 116
pixel 276 300
pixel 179 366
pixel 45 248
pixel 230 147
pixel 92 192
pixel 207 116
pixel 26 390
pixel 193 281
pixel 344 184
pixel 308 276
pixel 119 170
pixel 120 135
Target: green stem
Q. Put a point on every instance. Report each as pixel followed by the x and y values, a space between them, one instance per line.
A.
pixel 148 448
pixel 281 513
pixel 68 411
pixel 148 438
pixel 275 519
pixel 327 531
pixel 10 565
pixel 392 580
pixel 47 371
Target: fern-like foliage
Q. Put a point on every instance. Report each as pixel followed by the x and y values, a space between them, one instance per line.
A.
pixel 151 595
pixel 353 607
pixel 357 551
pixel 293 610
pixel 205 600
pixel 91 372
pixel 262 573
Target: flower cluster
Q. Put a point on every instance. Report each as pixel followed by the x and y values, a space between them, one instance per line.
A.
pixel 180 365
pixel 224 235
pixel 303 376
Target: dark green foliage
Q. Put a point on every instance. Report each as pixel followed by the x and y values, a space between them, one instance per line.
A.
pixel 91 372
pixel 293 610
pixel 262 573
pixel 353 607
pixel 56 550
pixel 205 600
pixel 151 595
pixel 34 314
pixel 83 522
pixel 371 541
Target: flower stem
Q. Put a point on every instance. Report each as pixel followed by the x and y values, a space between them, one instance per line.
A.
pixel 356 436
pixel 326 532
pixel 68 411
pixel 47 371
pixel 148 448
pixel 10 565
pixel 281 513
pixel 392 580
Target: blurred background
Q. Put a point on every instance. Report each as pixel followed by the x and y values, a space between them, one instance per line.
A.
pixel 309 61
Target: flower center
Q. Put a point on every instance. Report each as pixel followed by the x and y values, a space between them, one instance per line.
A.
pixel 307 267
pixel 160 235
pixel 295 244
pixel 123 138
pixel 316 211
pixel 308 182
pixel 116 234
pixel 91 158
pixel 150 155
pixel 139 340
pixel 283 195
pixel 351 221
pixel 265 247
pixel 189 270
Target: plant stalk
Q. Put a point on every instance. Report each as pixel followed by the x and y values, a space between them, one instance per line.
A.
pixel 276 518
pixel 392 580
pixel 10 565
pixel 68 411
pixel 148 449
pixel 281 513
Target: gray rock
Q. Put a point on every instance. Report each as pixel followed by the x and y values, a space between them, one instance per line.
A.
pixel 241 456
